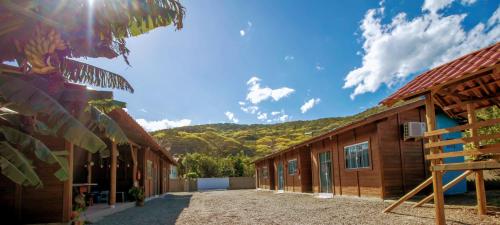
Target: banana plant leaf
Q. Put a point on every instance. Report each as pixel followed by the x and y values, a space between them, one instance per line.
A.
pixel 107 105
pixel 83 73
pixel 27 99
pixel 104 123
pixel 16 120
pixel 22 172
pixel 28 143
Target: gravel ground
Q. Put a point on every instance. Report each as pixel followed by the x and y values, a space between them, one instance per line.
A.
pixel 265 207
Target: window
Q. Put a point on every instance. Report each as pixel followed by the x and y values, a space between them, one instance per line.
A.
pixel 292 167
pixel 173 172
pixel 265 172
pixel 357 156
pixel 149 169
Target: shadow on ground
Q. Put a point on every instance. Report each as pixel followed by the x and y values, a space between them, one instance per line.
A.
pixel 164 210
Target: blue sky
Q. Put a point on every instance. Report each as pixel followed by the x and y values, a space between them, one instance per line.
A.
pixel 281 60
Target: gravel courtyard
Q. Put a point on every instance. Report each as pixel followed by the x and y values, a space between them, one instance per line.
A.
pixel 265 207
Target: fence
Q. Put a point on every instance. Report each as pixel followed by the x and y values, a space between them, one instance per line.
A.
pixel 187 185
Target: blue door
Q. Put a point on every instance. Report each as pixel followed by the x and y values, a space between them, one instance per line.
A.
pixel 281 178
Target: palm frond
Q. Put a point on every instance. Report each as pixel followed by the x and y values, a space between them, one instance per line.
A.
pixel 106 125
pixel 29 100
pixel 83 73
pixel 15 158
pixel 92 30
pixel 107 105
pixel 28 143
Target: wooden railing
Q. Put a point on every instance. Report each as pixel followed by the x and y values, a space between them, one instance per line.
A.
pixel 476 149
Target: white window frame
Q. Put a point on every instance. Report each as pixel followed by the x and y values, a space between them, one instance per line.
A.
pixel 295 168
pixel 358 156
pixel 265 172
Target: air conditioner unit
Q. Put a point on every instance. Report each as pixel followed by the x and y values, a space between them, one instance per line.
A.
pixel 414 130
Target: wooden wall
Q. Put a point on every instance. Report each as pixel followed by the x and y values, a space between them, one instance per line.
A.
pixel 265 182
pixel 364 182
pixel 403 161
pixel 396 166
pixel 51 203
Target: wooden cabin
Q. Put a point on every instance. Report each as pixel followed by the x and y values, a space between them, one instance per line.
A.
pixel 141 162
pixel 367 158
pixel 458 88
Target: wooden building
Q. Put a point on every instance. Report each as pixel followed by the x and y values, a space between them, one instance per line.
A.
pixel 367 158
pixel 457 88
pixel 141 162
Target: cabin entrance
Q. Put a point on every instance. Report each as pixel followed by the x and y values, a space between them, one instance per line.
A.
pixel 325 176
pixel 281 178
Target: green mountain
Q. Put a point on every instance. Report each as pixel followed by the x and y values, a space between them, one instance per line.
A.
pixel 226 139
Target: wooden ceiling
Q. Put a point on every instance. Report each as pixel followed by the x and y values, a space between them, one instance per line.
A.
pixel 481 89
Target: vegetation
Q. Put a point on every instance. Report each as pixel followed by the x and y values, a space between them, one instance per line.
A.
pixel 42 37
pixel 211 150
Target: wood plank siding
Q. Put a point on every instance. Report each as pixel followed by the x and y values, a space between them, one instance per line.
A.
pixel 395 165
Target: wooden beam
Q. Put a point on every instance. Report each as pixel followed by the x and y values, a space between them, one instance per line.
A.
pixel 133 153
pixel 480 124
pixel 471 101
pixel 409 195
pixel 480 193
pixel 68 185
pixel 478 165
pixel 112 191
pixel 473 152
pixel 437 179
pixel 89 170
pixel 466 140
pixel 445 188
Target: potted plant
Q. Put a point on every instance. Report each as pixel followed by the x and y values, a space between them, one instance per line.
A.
pixel 138 194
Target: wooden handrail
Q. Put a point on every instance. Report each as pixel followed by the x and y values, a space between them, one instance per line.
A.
pixel 461 140
pixel 480 124
pixel 477 165
pixel 488 149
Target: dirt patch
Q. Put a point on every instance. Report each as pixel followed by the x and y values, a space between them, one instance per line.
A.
pixel 265 207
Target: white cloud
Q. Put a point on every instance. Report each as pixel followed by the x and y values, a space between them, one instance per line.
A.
pixel 257 94
pixel 143 110
pixel 283 118
pixel 318 67
pixel 245 30
pixel 468 2
pixel 261 116
pixel 125 109
pixel 275 113
pixel 230 116
pixel 241 103
pixel 250 109
pixel 435 5
pixel 309 104
pixel 162 124
pixel 289 58
pixel 393 51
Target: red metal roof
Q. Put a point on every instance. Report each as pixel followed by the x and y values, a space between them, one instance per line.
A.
pixel 450 71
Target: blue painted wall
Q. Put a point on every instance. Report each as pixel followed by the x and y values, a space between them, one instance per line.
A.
pixel 443 121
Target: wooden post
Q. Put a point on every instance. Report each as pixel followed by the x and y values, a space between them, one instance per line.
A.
pixel 112 191
pixel 133 153
pixel 480 192
pixel 68 185
pixel 89 170
pixel 437 176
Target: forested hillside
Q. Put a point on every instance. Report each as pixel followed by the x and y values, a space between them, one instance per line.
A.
pixel 254 140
